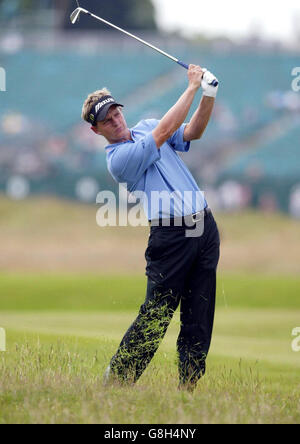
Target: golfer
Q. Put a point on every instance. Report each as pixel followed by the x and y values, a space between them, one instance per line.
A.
pixel 181 258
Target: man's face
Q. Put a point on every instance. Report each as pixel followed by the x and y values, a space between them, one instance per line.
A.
pixel 114 127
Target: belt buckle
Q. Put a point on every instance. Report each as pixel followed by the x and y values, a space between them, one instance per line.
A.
pixel 195 216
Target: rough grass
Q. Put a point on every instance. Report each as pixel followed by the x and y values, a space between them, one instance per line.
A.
pixel 53 381
pixel 52 370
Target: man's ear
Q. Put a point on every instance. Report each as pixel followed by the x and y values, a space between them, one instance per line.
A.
pixel 94 128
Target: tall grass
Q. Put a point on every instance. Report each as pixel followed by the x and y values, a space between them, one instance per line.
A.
pixel 46 381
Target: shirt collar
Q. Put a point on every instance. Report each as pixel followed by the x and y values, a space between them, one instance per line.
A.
pixel 109 148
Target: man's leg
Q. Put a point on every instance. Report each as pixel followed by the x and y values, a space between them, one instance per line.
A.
pixel 198 307
pixel 144 336
pixel 170 255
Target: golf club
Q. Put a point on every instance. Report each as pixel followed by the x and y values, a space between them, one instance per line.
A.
pixel 76 15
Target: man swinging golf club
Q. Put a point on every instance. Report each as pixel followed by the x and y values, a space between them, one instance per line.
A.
pixel 181 268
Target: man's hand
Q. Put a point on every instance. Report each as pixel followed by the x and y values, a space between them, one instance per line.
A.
pixel 195 75
pixel 208 89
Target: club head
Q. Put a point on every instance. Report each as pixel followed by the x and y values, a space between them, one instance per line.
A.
pixel 75 15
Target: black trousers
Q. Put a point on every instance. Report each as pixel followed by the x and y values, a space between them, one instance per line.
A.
pixel 181 270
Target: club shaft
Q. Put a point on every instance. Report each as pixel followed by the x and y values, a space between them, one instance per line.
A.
pixel 75 16
pixel 133 36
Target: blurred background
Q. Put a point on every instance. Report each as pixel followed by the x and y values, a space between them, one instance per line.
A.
pixel 66 282
pixel 249 154
pixel 52 164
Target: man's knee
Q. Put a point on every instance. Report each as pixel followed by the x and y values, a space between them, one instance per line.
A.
pixel 192 335
pixel 160 298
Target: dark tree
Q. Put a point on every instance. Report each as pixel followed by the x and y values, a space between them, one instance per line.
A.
pixel 128 14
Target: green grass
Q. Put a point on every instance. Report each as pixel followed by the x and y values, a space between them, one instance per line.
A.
pixel 57 379
pixel 63 330
pixel 30 292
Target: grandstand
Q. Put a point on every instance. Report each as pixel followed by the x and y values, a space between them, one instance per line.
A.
pixel 44 143
pixel 272 170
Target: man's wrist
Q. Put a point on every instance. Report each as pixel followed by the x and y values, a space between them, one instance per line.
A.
pixel 193 88
pixel 208 99
pixel 211 92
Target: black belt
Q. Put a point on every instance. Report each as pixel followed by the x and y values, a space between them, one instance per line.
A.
pixel 184 221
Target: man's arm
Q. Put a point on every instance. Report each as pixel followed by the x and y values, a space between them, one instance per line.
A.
pixel 177 114
pixel 196 127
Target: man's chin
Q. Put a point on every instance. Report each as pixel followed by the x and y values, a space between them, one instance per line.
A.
pixel 122 135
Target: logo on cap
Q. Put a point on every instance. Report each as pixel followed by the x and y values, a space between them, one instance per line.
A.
pixel 92 117
pixel 101 104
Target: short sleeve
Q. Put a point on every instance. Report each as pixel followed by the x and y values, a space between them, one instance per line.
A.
pixel 130 160
pixel 177 142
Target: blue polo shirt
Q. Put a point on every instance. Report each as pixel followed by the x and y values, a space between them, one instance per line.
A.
pixel 158 177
